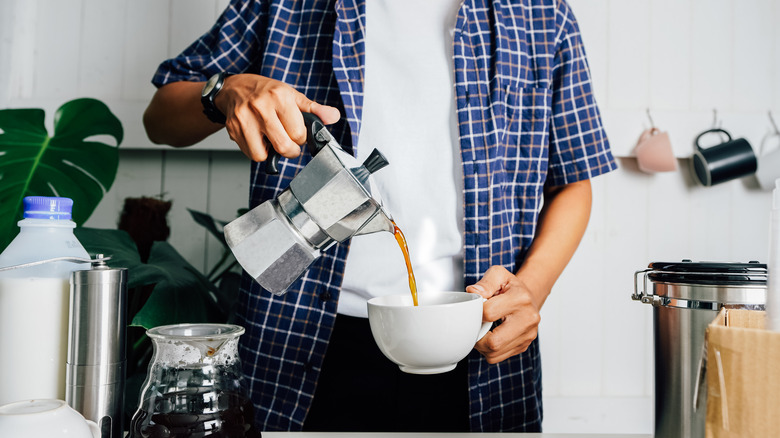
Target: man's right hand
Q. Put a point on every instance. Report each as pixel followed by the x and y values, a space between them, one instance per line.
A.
pixel 260 111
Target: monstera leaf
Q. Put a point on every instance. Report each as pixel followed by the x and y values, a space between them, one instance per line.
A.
pixel 73 163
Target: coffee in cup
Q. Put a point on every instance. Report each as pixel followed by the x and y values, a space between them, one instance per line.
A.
pixel 431 337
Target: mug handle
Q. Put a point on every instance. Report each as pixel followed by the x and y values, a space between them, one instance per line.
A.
pixel 710 131
pixel 484 329
pixel 485 325
pixel 93 427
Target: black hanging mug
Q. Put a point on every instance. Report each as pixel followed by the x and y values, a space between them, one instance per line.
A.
pixel 723 162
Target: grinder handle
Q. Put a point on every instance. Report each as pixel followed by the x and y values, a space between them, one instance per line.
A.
pixel 313 126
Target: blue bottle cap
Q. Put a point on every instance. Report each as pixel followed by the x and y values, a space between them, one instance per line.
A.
pixel 45 207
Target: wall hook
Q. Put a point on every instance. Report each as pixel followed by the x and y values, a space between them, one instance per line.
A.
pixel 772 121
pixel 715 122
pixel 649 117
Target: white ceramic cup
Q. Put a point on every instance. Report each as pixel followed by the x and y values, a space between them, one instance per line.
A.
pixel 429 338
pixel 44 419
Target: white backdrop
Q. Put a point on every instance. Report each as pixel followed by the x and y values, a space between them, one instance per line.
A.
pixel 683 60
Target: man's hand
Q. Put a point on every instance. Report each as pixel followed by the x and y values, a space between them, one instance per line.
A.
pixel 260 111
pixel 516 299
pixel 510 301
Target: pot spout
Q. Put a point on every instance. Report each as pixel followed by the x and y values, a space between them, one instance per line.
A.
pixel 382 221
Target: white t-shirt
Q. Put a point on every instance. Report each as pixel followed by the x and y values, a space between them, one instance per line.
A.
pixel 409 115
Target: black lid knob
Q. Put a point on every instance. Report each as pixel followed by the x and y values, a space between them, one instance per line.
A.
pixel 375 161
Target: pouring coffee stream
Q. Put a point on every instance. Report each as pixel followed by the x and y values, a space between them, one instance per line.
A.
pixel 401 239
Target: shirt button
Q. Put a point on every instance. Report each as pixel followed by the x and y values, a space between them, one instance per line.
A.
pixel 326 296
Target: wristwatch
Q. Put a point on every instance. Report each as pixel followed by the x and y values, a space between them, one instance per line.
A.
pixel 209 93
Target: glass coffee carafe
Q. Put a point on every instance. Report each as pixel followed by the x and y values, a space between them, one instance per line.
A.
pixel 195 385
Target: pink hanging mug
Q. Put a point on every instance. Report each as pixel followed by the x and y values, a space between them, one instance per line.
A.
pixel 654 152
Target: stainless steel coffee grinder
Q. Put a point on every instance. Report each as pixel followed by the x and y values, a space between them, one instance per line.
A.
pixel 331 200
pixel 96 349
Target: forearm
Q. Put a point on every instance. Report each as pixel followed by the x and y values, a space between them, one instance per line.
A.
pixel 175 115
pixel 562 223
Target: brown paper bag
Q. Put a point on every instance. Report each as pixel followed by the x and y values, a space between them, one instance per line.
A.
pixel 743 376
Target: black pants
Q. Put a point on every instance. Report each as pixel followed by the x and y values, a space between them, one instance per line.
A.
pixel 360 390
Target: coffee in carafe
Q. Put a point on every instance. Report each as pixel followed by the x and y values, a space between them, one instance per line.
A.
pixel 195 385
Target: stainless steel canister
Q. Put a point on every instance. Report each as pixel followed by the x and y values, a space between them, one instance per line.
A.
pixel 96 348
pixel 686 297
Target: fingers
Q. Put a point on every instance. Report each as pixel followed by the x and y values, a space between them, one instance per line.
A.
pixel 511 302
pixel 512 337
pixel 327 114
pixel 262 112
pixel 244 129
pixel 278 134
pixel 492 282
pixel 513 299
pixel 292 122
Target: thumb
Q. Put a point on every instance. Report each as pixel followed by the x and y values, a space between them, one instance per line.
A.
pixel 327 114
pixel 492 282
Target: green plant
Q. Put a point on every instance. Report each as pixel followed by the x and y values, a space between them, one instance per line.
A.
pixel 224 274
pixel 73 162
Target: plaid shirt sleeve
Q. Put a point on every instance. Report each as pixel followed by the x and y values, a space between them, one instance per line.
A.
pixel 579 148
pixel 231 45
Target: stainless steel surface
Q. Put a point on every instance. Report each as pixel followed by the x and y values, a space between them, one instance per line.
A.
pixel 269 248
pixel 302 222
pixel 682 310
pixel 329 201
pixel 699 296
pixel 96 349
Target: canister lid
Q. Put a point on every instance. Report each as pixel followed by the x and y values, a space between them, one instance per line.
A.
pixel 709 273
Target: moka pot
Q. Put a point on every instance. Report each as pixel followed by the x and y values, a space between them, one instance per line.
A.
pixel 330 200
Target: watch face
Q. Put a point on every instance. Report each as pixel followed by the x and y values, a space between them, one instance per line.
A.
pixel 210 85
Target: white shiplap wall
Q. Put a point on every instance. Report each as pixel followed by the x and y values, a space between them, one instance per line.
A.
pixel 686 61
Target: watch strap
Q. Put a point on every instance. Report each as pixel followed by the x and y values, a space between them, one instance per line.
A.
pixel 209 108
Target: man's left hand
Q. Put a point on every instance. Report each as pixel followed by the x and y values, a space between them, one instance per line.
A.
pixel 511 302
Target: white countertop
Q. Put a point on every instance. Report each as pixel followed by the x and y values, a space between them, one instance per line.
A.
pixel 444 435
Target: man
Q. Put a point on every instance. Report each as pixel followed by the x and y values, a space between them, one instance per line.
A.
pixel 485 112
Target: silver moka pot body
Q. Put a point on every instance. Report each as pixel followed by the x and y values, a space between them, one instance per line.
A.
pixel 330 200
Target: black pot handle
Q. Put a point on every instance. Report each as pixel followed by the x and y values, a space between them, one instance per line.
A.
pixel 710 131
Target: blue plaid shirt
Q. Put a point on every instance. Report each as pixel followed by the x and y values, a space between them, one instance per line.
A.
pixel 527 119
